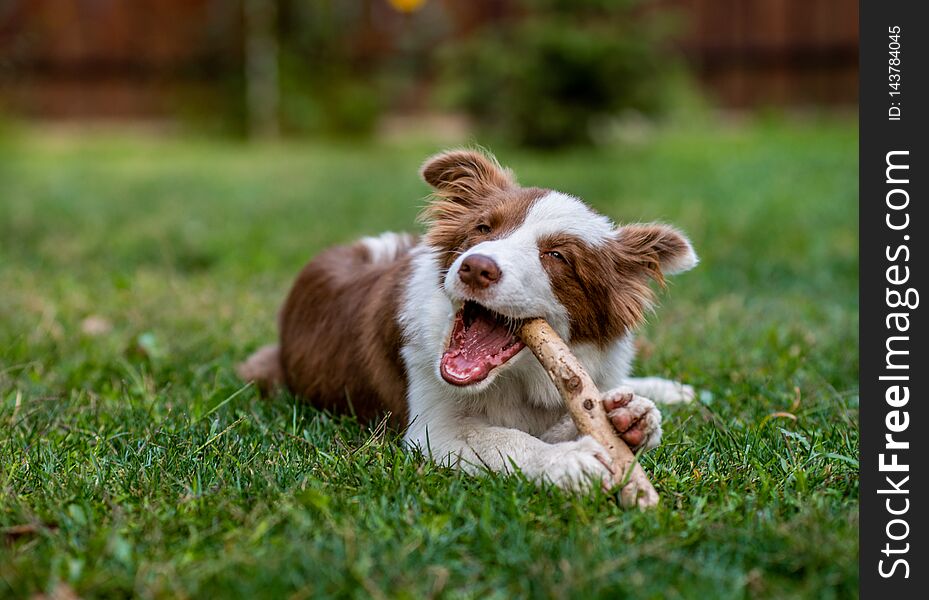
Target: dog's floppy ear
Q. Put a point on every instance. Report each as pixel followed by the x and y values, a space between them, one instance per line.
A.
pixel 660 249
pixel 465 175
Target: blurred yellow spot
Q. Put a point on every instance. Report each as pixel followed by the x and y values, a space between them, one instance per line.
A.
pixel 407 6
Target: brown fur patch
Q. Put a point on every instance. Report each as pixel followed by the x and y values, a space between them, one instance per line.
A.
pixel 606 289
pixel 465 174
pixel 340 339
pixel 471 192
pixel 605 295
pixel 656 247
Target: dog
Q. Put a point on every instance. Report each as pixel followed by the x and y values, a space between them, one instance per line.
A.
pixel 423 328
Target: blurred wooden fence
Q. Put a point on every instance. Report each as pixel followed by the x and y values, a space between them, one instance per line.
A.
pixel 772 52
pixel 127 58
pixel 110 58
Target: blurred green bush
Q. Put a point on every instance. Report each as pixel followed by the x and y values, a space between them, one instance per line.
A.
pixel 539 73
pixel 558 70
pixel 327 86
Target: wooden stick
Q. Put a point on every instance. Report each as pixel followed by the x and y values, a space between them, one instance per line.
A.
pixel 585 404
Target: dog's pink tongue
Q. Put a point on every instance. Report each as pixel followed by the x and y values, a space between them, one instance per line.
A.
pixel 474 351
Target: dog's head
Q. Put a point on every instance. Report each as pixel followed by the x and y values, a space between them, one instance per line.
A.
pixel 510 253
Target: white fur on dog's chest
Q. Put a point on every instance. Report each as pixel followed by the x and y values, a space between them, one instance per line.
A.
pixel 533 409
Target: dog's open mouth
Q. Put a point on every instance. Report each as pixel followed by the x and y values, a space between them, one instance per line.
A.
pixel 481 341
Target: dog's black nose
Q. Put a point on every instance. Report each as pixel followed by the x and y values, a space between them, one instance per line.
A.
pixel 478 271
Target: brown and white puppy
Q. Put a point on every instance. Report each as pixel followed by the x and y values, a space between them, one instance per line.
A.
pixel 424 328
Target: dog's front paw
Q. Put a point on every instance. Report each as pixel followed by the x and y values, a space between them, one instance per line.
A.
pixel 637 419
pixel 579 464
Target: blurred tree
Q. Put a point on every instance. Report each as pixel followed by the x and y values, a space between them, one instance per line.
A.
pixel 329 82
pixel 557 69
pixel 261 70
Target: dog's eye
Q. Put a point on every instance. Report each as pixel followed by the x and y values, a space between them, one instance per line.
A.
pixel 483 228
pixel 556 255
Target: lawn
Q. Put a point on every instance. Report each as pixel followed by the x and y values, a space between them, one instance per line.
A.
pixel 135 272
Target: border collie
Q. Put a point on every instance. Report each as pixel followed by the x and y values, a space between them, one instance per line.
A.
pixel 423 328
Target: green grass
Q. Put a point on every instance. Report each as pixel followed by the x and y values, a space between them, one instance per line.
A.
pixel 145 469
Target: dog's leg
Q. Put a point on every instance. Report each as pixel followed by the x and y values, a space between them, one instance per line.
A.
pixel 474 445
pixel 663 391
pixel 263 368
